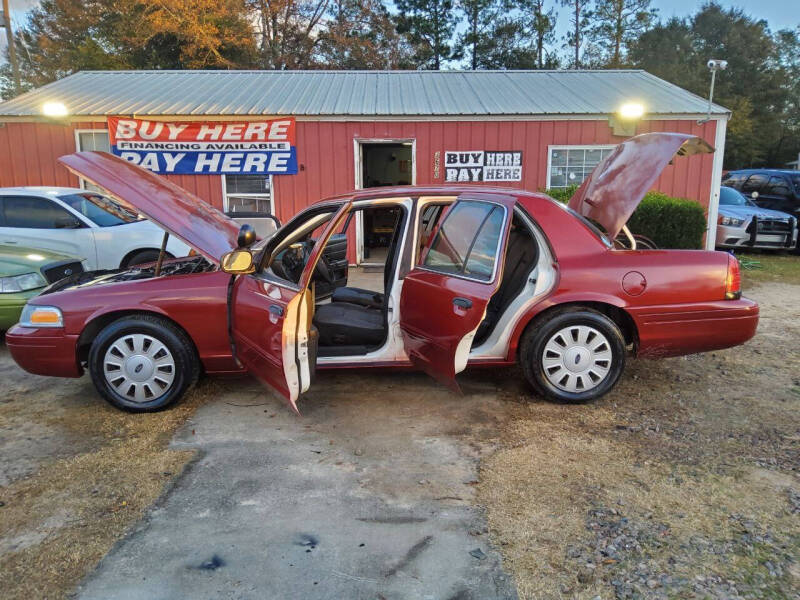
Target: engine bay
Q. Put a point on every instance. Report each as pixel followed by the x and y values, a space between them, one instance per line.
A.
pixel 181 266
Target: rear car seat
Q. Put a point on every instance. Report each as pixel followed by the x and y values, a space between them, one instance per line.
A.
pixel 358 296
pixel 521 255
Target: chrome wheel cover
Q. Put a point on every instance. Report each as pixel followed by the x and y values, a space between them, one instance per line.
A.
pixel 139 367
pixel 577 358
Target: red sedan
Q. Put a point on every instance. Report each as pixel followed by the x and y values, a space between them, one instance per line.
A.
pixel 472 276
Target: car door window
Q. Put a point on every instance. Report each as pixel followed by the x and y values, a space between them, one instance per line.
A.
pixel 467 242
pixel 734 180
pixel 430 217
pixel 778 186
pixel 31 212
pixel 754 183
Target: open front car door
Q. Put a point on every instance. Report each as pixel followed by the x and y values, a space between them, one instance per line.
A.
pixel 271 318
pixel 445 295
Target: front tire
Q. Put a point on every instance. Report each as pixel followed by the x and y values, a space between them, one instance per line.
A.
pixel 142 363
pixel 143 257
pixel 574 355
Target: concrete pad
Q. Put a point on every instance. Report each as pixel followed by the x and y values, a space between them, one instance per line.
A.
pixel 368 495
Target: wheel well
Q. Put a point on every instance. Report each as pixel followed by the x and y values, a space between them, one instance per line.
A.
pixel 619 315
pixel 96 325
pixel 126 259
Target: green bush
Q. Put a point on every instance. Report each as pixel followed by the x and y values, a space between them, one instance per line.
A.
pixel 561 194
pixel 669 222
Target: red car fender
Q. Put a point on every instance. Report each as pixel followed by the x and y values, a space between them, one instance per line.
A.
pixel 557 299
pixel 137 308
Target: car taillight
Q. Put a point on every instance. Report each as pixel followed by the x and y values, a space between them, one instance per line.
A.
pixel 733 281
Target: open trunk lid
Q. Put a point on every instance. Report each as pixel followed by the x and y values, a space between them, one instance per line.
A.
pixel 617 185
pixel 172 208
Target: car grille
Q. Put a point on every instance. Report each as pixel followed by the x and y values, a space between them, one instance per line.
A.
pixel 58 271
pixel 771 226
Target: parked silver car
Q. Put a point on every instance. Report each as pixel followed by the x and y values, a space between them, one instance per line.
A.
pixel 744 224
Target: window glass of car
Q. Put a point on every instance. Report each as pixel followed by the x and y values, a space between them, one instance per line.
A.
pixel 99 209
pixel 734 179
pixel 730 197
pixel 33 212
pixel 778 186
pixel 754 183
pixel 796 182
pixel 467 242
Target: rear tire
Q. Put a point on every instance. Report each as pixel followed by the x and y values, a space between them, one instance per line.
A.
pixel 142 363
pixel 575 355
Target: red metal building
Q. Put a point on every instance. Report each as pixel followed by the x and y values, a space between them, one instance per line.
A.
pixel 360 129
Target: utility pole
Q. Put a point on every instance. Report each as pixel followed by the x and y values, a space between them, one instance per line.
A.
pixel 12 51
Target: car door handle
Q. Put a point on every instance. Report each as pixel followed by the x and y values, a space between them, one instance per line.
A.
pixel 464 303
pixel 276 310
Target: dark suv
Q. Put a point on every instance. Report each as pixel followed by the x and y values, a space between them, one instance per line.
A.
pixel 778 189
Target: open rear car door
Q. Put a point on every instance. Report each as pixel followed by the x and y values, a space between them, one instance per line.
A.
pixel 271 323
pixel 445 295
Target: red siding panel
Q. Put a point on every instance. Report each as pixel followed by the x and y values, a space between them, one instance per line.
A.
pixel 325 151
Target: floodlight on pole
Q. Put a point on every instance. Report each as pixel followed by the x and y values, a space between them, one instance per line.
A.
pixel 713 65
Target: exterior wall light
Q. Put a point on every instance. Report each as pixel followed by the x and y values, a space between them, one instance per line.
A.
pixel 54 110
pixel 623 123
pixel 631 110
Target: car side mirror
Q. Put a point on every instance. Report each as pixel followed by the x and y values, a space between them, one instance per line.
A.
pixel 754 195
pixel 247 236
pixel 237 262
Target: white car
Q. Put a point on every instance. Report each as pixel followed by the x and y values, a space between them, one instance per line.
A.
pixel 81 223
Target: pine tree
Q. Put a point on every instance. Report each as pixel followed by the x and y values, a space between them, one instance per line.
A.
pixel 542 26
pixel 360 34
pixel 429 26
pixel 580 21
pixel 481 17
pixel 616 23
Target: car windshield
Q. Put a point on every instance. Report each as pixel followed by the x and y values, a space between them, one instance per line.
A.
pixel 796 182
pixel 99 209
pixel 731 197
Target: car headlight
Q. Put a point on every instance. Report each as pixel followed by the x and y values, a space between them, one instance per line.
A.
pixel 34 315
pixel 21 283
pixel 730 221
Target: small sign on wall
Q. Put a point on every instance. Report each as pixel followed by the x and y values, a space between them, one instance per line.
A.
pixel 482 165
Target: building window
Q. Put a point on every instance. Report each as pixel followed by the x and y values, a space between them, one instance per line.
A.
pixel 247 193
pixel 91 139
pixel 570 165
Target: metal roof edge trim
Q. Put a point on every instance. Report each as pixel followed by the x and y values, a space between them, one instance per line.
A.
pixel 361 118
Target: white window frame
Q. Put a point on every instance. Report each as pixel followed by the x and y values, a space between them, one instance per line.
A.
pixel 271 192
pixel 78 148
pixel 571 147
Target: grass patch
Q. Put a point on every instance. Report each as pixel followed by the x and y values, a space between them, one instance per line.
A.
pixel 58 522
pixel 760 267
pixel 682 483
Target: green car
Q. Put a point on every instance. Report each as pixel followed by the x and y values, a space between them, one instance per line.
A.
pixel 24 272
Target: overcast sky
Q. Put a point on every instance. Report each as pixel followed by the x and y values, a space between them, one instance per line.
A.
pixel 780 14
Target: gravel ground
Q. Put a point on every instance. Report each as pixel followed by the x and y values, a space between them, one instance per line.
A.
pixel 683 483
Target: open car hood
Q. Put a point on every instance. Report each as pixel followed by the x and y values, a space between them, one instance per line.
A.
pixel 617 185
pixel 169 206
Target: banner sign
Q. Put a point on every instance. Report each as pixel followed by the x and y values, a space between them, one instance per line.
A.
pixel 482 165
pixel 259 147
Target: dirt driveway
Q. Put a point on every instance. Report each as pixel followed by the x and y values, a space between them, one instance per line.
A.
pixel 684 482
